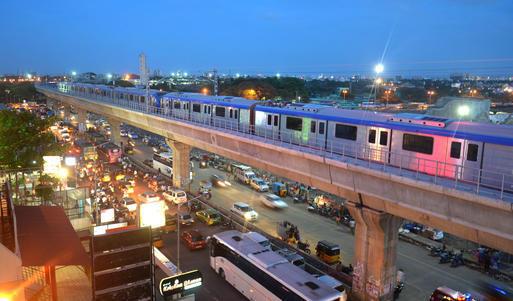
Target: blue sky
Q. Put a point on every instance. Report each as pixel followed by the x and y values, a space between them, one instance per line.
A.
pixel 424 37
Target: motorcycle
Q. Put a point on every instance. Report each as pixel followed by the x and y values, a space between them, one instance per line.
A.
pixel 457 260
pixel 398 289
pixel 445 257
pixel 304 246
pixel 435 252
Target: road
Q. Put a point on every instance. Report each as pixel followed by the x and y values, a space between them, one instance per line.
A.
pixel 423 273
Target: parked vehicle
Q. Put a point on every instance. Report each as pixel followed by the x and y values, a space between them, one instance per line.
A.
pixel 194 240
pixel 273 201
pixel 186 219
pixel 209 216
pixel 259 184
pixel 244 211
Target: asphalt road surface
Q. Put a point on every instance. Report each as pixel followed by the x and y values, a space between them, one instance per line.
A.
pixel 423 273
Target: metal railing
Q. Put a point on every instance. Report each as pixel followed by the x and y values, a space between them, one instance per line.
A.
pixel 489 183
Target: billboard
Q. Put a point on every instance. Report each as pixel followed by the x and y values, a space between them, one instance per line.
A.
pixel 52 164
pixel 152 214
pixel 181 283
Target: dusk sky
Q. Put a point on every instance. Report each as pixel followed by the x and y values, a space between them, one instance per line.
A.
pixel 414 37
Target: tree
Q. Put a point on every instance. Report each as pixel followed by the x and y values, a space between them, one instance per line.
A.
pixel 46 186
pixel 121 83
pixel 25 139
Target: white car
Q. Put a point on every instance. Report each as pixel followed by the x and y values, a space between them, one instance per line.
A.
pixel 123 133
pixel 175 196
pixel 149 196
pixel 259 185
pixel 245 211
pixel 273 201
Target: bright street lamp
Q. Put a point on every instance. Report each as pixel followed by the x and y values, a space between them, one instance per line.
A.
pixel 73 73
pixel 379 68
pixel 109 76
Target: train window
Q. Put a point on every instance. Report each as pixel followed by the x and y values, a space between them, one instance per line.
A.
pixel 312 126
pixel 235 114
pixel 196 108
pixel 294 123
pixel 231 113
pixel 455 150
pixel 176 105
pixel 472 151
pixel 131 97
pixel 143 98
pixel 205 109
pixel 220 111
pixel 418 144
pixel 269 119
pixel 372 136
pixel 383 138
pixel 275 120
pixel 209 110
pixel 346 131
pixel 321 128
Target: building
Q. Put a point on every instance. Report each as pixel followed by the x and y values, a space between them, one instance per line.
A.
pixel 462 108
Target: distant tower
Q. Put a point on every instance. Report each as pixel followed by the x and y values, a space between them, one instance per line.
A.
pixel 144 72
pixel 216 82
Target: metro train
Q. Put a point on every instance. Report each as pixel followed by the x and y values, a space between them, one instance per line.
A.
pixel 466 151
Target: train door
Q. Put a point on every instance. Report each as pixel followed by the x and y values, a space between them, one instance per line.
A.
pixel 233 121
pixel 471 157
pixel 317 134
pixel 455 158
pixel 207 113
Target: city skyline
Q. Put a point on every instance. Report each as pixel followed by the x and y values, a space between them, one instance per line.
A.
pixel 293 38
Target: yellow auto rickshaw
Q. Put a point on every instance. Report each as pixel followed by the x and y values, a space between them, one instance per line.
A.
pixel 328 252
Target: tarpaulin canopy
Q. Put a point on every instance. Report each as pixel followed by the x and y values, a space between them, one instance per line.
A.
pixel 46 237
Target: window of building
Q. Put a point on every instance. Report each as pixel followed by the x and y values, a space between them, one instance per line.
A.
pixel 312 126
pixel 472 151
pixel 372 136
pixel 383 138
pixel 294 123
pixel 196 108
pixel 455 150
pixel 276 120
pixel 418 144
pixel 269 119
pixel 220 111
pixel 346 131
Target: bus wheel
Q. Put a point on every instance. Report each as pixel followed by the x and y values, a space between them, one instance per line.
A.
pixel 221 273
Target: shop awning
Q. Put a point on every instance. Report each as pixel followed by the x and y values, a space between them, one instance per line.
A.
pixel 46 237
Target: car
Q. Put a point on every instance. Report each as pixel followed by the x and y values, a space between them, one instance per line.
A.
pixel 259 185
pixel 105 177
pixel 273 201
pixel 148 162
pixel 444 293
pixel 178 197
pixel 130 204
pixel 123 133
pixel 133 135
pixel 194 240
pixel 186 219
pixel 245 211
pixel 209 216
pixel 149 196
pixel 219 181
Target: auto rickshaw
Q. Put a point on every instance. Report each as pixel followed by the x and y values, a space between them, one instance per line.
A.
pixel 279 189
pixel 328 252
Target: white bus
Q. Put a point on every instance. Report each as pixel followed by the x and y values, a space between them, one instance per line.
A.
pixel 163 162
pixel 261 274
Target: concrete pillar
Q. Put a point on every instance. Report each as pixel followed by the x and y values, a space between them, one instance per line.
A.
pixel 181 163
pixel 67 112
pixel 376 238
pixel 81 120
pixel 115 132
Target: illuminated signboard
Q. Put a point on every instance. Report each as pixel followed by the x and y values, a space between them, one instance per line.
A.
pixel 51 164
pixel 70 161
pixel 181 283
pixel 152 214
pixel 107 215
